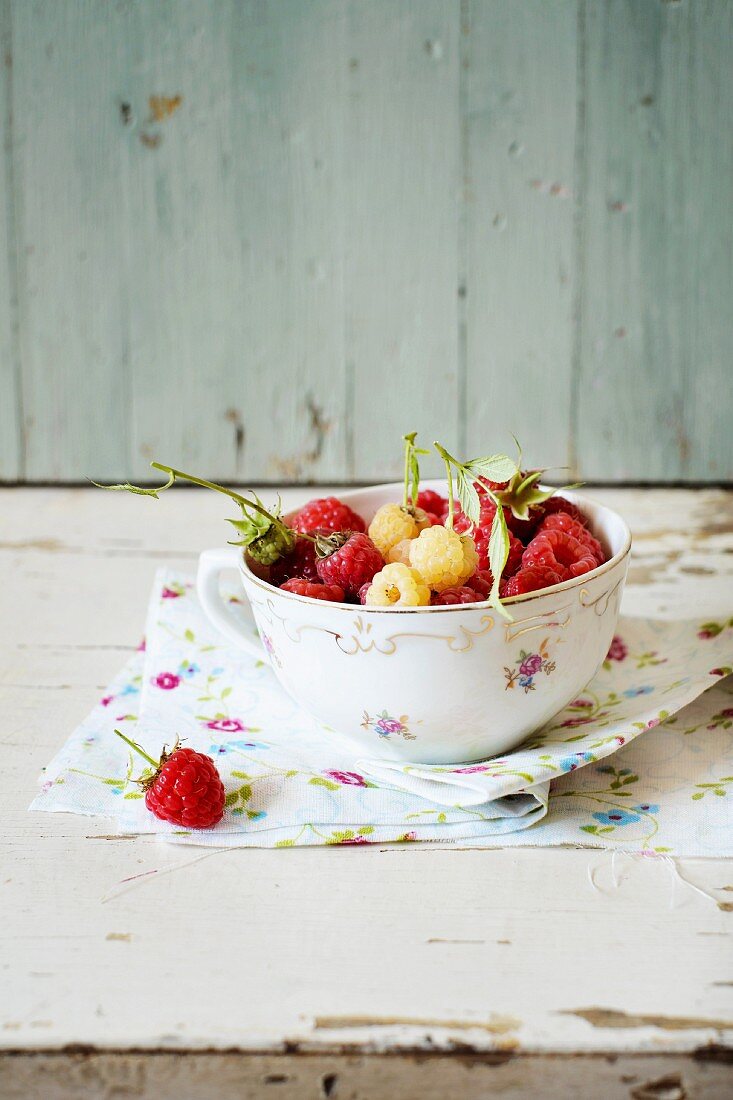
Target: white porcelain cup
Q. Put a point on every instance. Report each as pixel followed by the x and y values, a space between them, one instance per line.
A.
pixel 434 685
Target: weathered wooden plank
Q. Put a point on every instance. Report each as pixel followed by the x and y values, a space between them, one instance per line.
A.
pixel 182 279
pixel 657 241
pixel 287 924
pixel 71 225
pixel 410 1074
pixel 519 192
pixel 402 209
pixel 10 407
pixel 237 356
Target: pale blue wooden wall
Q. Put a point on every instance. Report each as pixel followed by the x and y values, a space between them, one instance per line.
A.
pixel 359 218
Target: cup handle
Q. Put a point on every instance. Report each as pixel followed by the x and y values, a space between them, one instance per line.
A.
pixel 211 563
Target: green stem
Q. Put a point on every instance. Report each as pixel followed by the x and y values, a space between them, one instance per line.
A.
pixel 153 763
pixel 242 501
pixel 449 461
pixel 409 442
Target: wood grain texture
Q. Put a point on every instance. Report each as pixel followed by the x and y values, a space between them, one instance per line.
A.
pixel 403 202
pixel 11 413
pixel 656 261
pixel 263 238
pixel 501 951
pixel 520 108
pixel 237 269
pixel 71 224
pixel 407 1074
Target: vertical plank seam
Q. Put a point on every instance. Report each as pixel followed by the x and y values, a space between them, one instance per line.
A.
pixel 462 290
pixel 579 189
pixel 6 44
pixel 693 313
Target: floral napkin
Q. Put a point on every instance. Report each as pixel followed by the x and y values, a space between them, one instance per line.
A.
pixel 289 782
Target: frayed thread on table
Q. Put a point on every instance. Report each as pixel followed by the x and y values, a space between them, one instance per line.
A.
pixel 669 862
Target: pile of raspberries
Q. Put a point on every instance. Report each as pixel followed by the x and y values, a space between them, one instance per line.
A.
pixel 553 545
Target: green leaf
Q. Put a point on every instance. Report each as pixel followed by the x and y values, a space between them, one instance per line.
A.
pixel 318 781
pixel 468 497
pixel 589 828
pixel 241 775
pixel 493 467
pixel 227 691
pixel 231 798
pixel 700 794
pixel 128 488
pixel 189 635
pixel 284 843
pixel 498 552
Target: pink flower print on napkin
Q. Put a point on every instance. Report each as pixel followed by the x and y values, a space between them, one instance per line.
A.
pixel 166 681
pixel 227 725
pixel 618 649
pixel 349 779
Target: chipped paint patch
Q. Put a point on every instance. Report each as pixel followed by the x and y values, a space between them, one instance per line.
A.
pixel 669 1087
pixel 163 106
pixel 122 937
pixel 495 1025
pixel 611 1017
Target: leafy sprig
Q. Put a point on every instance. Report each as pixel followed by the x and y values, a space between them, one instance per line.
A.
pixel 522 491
pixel 499 468
pixel 262 533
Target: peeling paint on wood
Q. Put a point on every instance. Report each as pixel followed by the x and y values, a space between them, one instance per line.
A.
pixel 495 1025
pixel 609 1017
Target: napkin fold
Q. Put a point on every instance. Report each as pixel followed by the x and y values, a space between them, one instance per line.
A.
pixel 290 782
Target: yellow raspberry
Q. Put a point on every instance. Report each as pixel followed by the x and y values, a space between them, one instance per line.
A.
pixel 397 586
pixel 400 552
pixel 391 525
pixel 443 558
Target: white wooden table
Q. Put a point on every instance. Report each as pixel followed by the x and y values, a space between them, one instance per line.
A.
pixel 357 972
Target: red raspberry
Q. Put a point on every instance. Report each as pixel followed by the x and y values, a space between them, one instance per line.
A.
pixel 557 504
pixel 563 521
pixel 184 787
pixel 461 522
pixel 187 790
pixel 481 582
pixel 433 503
pixel 485 483
pixel 326 514
pixel 353 564
pixel 457 594
pixel 529 579
pixel 523 528
pixel 560 552
pixel 333 593
pixel 481 537
pixel 520 528
pixel 363 591
pixel 300 562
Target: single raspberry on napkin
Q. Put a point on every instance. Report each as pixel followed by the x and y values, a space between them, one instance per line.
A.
pixel 183 787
